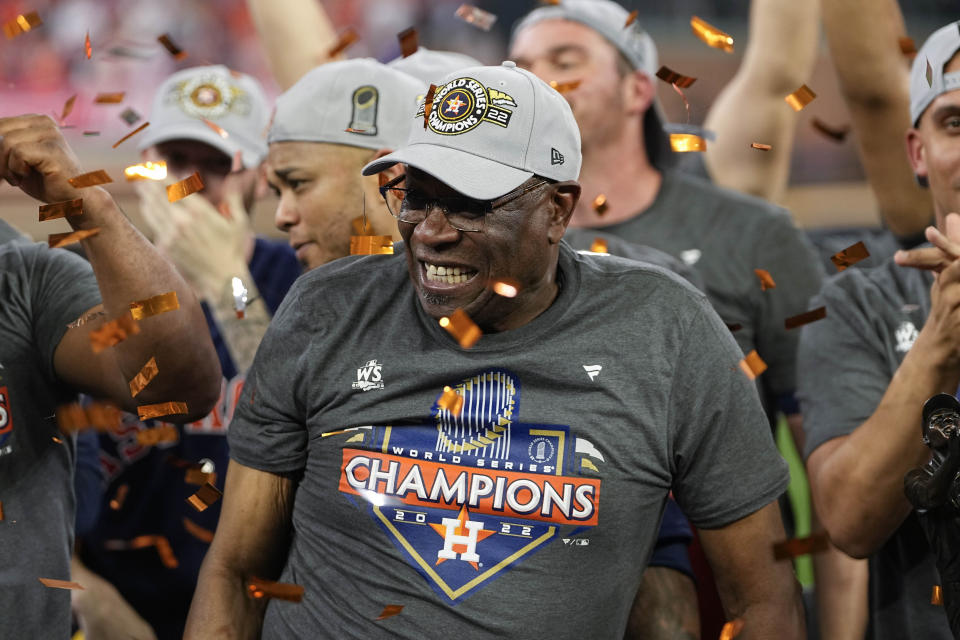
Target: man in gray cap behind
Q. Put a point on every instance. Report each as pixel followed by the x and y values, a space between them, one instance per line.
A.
pixel 494 484
pixel 891 339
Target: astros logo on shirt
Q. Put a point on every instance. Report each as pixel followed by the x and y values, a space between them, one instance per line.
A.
pixel 469 497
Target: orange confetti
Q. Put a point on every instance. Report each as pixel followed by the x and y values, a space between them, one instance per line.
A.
pixel 91 179
pixel 801 546
pixel 838 134
pixel 58 240
pixel 88 49
pixel 753 365
pixel 631 18
pixel 155 435
pixel 670 76
pixel 805 318
pixel 348 38
pixel 462 328
pixel 760 146
pixel 428 104
pixel 146 171
pixel 67 108
pixel 409 42
pixel 143 542
pixel 154 305
pixel 143 378
pixel 389 611
pixel 166 552
pixel 60 584
pixel 600 204
pixel 197 476
pixel 451 401
pixel 599 245
pixel 683 142
pixel 117 501
pixel 766 280
pixel 506 287
pixel 564 87
pixel 361 226
pixel 64 209
pixel 206 496
pixel 113 332
pixel 1 512
pixel 801 97
pixel 907 47
pixel 479 18
pixel 937 596
pixel 102 416
pixel 21 24
pixel 220 131
pixel 110 98
pixel 200 533
pixel 850 256
pixel 712 36
pixel 57 440
pixel 371 245
pixel 731 629
pixel 260 588
pixel 131 134
pixel 180 190
pixel 147 411
pixel 172 49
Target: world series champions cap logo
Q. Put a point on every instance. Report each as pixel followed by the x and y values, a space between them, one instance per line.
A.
pixel 462 104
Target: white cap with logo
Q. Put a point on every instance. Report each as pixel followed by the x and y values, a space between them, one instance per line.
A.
pixel 230 100
pixel 489 130
pixel 359 103
pixel 927 79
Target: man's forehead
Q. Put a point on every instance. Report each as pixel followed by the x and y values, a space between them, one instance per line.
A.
pixel 553 36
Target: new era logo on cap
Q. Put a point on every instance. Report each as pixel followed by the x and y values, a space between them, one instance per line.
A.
pixel 555 156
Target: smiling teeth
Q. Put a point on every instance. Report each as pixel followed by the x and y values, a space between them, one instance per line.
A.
pixel 448 275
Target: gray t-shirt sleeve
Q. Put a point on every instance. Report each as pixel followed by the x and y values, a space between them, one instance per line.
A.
pixel 842 369
pixel 726 465
pixel 793 265
pixel 268 430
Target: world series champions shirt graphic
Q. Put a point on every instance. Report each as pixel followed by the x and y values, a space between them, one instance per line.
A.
pixel 469 497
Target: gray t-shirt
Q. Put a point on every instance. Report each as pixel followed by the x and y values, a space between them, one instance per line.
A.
pixel 536 509
pixel 725 235
pixel 41 291
pixel 846 362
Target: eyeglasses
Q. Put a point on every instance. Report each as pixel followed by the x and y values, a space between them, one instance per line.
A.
pixel 463 213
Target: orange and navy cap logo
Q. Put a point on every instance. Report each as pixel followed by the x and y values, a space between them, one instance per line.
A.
pixel 462 104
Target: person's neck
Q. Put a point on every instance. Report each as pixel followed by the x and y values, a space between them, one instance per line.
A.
pixel 622 173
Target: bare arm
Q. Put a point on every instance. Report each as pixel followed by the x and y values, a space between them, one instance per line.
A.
pixel 752 585
pixel 34 155
pixel 296 34
pixel 779 58
pixel 874 79
pixel 665 607
pixel 102 612
pixel 251 541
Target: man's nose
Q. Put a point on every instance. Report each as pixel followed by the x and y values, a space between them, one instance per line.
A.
pixel 286 216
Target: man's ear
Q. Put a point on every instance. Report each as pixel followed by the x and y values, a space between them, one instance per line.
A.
pixel 639 92
pixel 262 186
pixel 564 200
pixel 916 154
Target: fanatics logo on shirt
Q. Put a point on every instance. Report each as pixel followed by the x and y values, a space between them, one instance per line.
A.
pixel 369 377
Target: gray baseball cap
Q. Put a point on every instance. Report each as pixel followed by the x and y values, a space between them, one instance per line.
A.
pixel 232 102
pixel 429 65
pixel 927 79
pixel 489 129
pixel 609 19
pixel 359 103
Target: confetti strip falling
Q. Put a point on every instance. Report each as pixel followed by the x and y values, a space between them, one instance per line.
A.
pixel 506 288
pixel 58 240
pixel 143 378
pixel 348 38
pixel 731 629
pixel 361 226
pixel 180 190
pixel 564 87
pixel 936 597
pixel 837 134
pixel 91 179
pixel 753 365
pixel 57 210
pixel 172 49
pixel 146 171
pixel 116 503
pixel 220 131
pixel 91 133
pixel 760 146
pixel 683 142
pixel 206 496
pixel 479 18
pixel 87 48
pixel 147 411
pixel 113 332
pixel 67 108
pixel 129 116
pixel 600 204
pixel 198 532
pixel 805 318
pixel 461 327
pixel 156 435
pixel 197 476
pixel 409 42
pixel 451 401
pixel 850 256
pixel 154 305
pixel 110 98
pixel 712 36
pixel 161 544
pixel 260 588
pixel 631 18
pixel 766 280
pixel 389 611
pixel 1 512
pixel 800 98
pixel 599 245
pixel 60 584
pixel 131 134
pixel 371 245
pixel 801 546
pixel 686 103
pixel 21 24
pixel 428 105
pixel 101 416
pixel 907 47
pixel 670 76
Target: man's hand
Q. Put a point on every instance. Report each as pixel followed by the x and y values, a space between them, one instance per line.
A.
pixel 102 612
pixel 946 248
pixel 35 157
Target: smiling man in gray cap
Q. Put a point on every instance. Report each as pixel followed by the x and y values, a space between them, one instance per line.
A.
pixel 417 485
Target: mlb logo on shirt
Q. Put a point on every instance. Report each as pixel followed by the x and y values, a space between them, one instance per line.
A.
pixel 369 377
